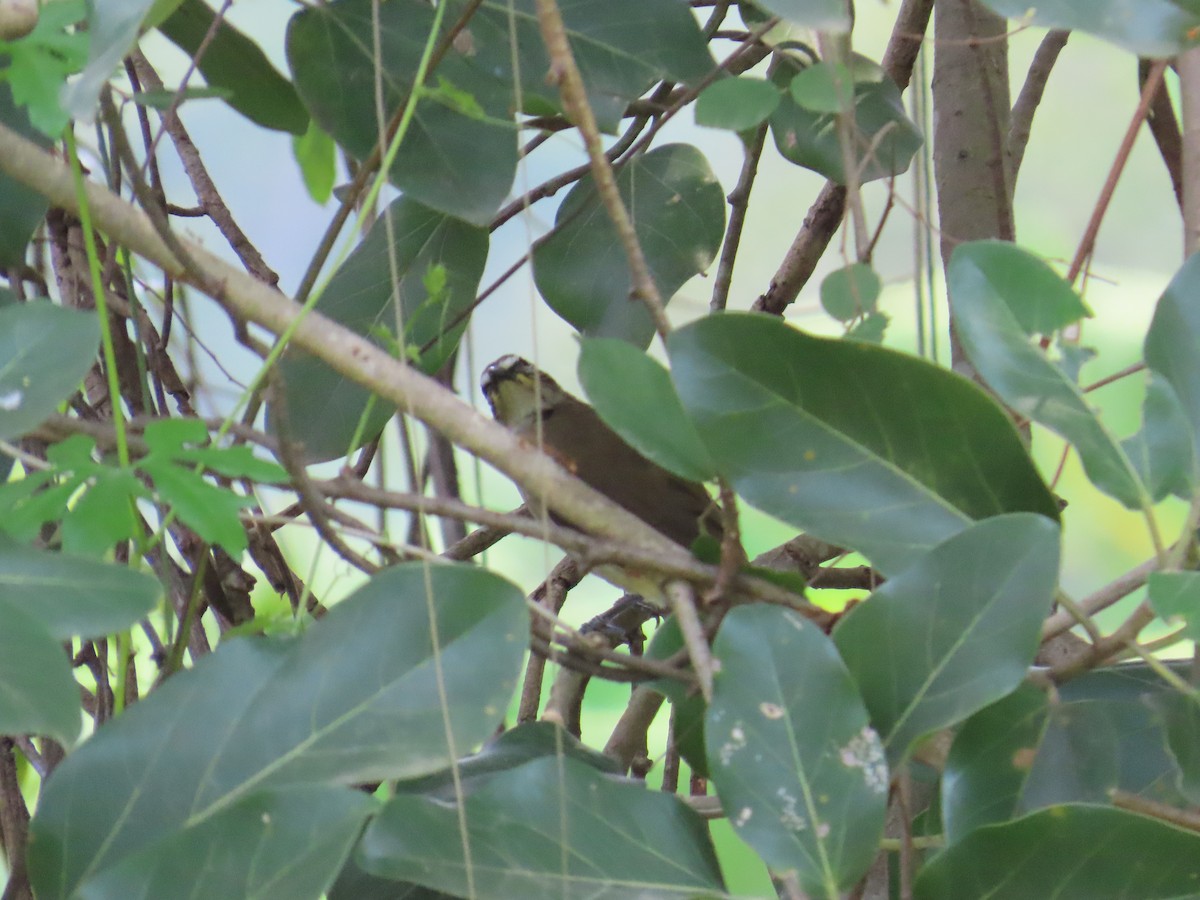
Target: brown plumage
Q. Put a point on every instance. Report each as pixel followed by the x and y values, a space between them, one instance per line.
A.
pixel 572 432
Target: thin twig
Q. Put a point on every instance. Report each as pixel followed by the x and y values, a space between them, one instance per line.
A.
pixel 1020 120
pixel 739 201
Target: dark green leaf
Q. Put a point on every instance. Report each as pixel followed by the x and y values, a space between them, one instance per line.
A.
pixel 23 207
pixel 1143 27
pixel 1183 742
pixel 548 829
pixel 451 161
pixel 1171 342
pixel 1162 452
pixel 801 775
pixel 678 211
pixel 45 350
pixel 233 62
pixel 1067 851
pixel 620 46
pixel 885 138
pixel 1177 595
pixel 324 407
pixel 996 343
pixel 71 596
pixel 367 693
pixel 990 760
pixel 1077 759
pixel 888 454
pixel 955 631
pixel 277 844
pixel 634 395
pixel 850 292
pixel 211 511
pixel 355 884
pixel 819 15
pixel 736 104
pixel 38 695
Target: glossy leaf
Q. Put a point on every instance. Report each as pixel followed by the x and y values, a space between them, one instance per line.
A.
pixel 38 694
pixel 953 632
pixel 451 160
pixel 678 212
pixel 23 207
pixel 886 453
pixel 736 104
pixel 362 695
pixel 234 63
pixel 548 829
pixel 1176 595
pixel 885 138
pixel 819 15
pixel 1162 451
pixel 1067 851
pixel 634 395
pixel 1143 27
pixel 800 773
pixel 1170 348
pixel 620 46
pixel 994 339
pixel 850 292
pixel 273 845
pixel 323 406
pixel 45 350
pixel 989 761
pixel 71 596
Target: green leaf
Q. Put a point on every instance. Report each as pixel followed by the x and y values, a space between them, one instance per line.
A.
pixel 233 62
pixel 1067 851
pixel 990 760
pixel 1183 742
pixel 851 292
pixel 551 828
pixel 871 329
pixel 23 207
pixel 620 46
pixel 887 453
pixel 634 395
pixel 1162 452
pixel 818 88
pixel 450 161
pixel 323 406
pixel 1170 348
pixel 368 693
pixel 678 212
pixel 112 27
pixel 1143 27
pixel 819 15
pixel 885 138
pixel 736 104
pixel 316 155
pixel 37 71
pixel 71 596
pixel 211 511
pixel 800 773
pixel 38 694
pixel 273 845
pixel 1177 595
pixel 1040 299
pixel 45 351
pixel 187 441
pixel 996 343
pixel 104 514
pixel 955 631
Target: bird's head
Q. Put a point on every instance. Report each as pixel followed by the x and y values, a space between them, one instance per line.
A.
pixel 518 392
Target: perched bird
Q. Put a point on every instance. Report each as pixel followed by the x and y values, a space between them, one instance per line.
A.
pixel 532 404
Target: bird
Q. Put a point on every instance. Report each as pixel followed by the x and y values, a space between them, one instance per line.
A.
pixel 534 406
